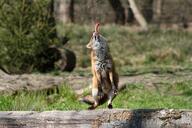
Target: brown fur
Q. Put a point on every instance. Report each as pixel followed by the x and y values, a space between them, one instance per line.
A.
pixel 97 77
pixel 111 78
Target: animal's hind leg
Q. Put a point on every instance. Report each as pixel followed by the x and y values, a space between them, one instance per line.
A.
pixel 114 81
pixel 111 96
pixel 95 92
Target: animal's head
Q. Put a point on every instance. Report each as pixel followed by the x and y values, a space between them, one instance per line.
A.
pixel 96 37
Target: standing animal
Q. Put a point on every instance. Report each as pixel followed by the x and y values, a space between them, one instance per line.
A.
pixel 105 78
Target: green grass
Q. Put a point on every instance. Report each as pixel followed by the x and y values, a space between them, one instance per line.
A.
pixel 133 49
pixel 156 51
pixel 169 96
pixel 135 96
pixel 156 69
pixel 40 101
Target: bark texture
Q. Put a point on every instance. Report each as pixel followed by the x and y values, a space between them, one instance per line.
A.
pixel 65 10
pixel 10 84
pixel 118 118
pixel 119 11
pixel 138 16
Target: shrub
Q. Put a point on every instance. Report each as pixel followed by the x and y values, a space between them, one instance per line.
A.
pixel 27 29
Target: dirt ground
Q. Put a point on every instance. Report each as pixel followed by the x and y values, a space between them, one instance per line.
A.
pixel 150 80
pixel 11 83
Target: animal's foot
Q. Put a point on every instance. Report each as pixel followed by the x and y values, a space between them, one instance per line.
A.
pixel 110 106
pixel 115 91
pixel 87 99
pixel 91 107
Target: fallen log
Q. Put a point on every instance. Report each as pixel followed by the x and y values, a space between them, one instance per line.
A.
pixel 10 84
pixel 67 62
pixel 118 118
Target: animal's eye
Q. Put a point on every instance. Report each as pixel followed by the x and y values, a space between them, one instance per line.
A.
pixel 98 38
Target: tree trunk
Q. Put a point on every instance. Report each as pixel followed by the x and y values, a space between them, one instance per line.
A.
pixel 71 10
pixel 147 10
pixel 119 11
pixel 138 16
pixel 129 14
pixel 157 10
pixel 65 11
pixel 118 118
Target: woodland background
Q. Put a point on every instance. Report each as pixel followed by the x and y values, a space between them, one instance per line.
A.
pixel 150 41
